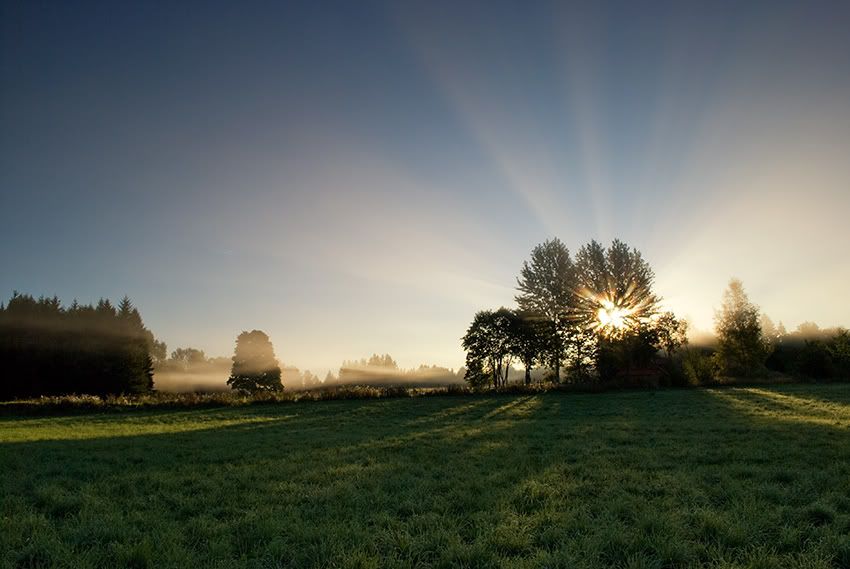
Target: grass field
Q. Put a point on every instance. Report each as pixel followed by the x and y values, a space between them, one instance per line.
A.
pixel 700 478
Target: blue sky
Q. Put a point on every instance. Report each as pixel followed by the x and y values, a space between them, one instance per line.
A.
pixel 358 177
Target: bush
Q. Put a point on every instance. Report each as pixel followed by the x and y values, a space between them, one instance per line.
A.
pixel 815 361
pixel 839 350
pixel 674 373
pixel 699 367
pixel 826 358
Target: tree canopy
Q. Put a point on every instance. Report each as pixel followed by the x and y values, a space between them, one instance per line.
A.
pixel 490 345
pixel 546 286
pixel 255 368
pixel 594 316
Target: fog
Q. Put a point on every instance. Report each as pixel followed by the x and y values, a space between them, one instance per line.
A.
pixel 202 374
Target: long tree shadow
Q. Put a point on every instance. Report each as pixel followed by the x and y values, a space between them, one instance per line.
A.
pixel 677 477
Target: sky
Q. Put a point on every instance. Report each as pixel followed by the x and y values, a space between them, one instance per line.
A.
pixel 360 177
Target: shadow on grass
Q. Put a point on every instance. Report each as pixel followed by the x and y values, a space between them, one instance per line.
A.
pixel 673 477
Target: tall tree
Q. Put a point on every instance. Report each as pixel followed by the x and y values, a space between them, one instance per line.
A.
pixel 741 349
pixel 255 368
pixel 546 287
pixel 614 305
pixel 614 288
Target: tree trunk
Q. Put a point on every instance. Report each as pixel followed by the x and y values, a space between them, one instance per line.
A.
pixel 557 369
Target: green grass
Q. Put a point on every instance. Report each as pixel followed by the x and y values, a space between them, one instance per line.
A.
pixel 699 478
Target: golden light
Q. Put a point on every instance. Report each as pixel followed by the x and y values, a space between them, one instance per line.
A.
pixel 613 317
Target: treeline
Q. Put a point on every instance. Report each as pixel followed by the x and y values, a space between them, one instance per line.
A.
pixel 591 318
pixel 747 345
pixel 594 318
pixel 381 370
pixel 49 349
pixel 190 370
pixel 824 354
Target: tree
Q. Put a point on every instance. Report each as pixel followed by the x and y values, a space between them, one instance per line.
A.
pixel 489 347
pixel 839 350
pixel 530 337
pixel 621 355
pixel 614 288
pixel 741 348
pixel 384 361
pixel 378 369
pixel 808 330
pixel 546 288
pixel 255 368
pixel 612 328
pixel 188 357
pixel 672 333
pixel 602 306
pixel 159 351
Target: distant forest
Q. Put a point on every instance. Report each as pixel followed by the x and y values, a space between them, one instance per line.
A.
pixel 589 319
pixel 48 349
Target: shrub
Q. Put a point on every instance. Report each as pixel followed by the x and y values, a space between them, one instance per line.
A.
pixel 699 367
pixel 814 360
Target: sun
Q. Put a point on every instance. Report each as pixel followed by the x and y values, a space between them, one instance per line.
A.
pixel 612 317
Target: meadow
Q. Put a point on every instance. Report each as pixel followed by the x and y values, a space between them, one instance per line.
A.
pixel 727 477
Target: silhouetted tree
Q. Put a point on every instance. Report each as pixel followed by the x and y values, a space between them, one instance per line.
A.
pixel 530 338
pixel 255 368
pixel 489 347
pixel 615 300
pixel 546 288
pixel 625 354
pixel 672 333
pixel 616 282
pixel 741 347
pixel 599 316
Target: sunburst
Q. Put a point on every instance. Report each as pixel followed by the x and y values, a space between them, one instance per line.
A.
pixel 613 317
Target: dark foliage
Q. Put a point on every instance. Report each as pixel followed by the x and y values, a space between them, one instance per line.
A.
pixel 255 368
pixel 597 317
pixel 742 348
pixel 490 345
pixel 47 349
pixel 822 356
